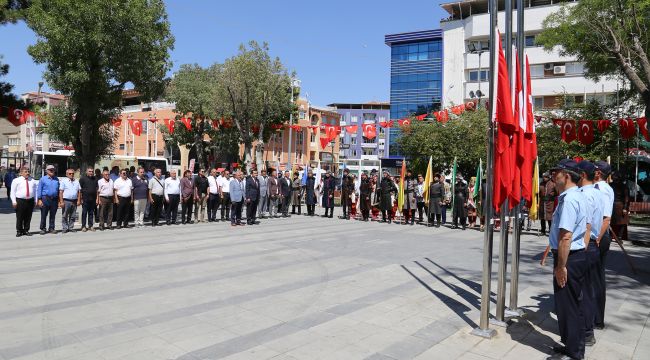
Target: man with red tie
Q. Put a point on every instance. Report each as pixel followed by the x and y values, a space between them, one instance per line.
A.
pixel 23 189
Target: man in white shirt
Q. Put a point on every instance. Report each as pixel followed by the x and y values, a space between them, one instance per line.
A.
pixel 214 198
pixel 69 199
pixel 156 196
pixel 105 193
pixel 22 194
pixel 224 191
pixel 172 196
pixel 123 198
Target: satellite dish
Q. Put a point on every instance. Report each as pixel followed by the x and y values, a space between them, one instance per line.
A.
pixel 471 94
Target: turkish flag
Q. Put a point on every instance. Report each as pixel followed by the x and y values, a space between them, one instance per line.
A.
pixel 627 128
pixel 603 125
pixel 419 117
pixel 116 122
pixel 323 142
pixel 170 124
pixel 558 122
pixel 404 122
pixel 330 132
pixel 530 141
pixel 136 127
pixel 369 131
pixel 314 129
pixel 215 124
pixel 517 149
pixel 643 127
pixel 585 132
pixel 187 122
pixel 338 129
pixel 296 127
pixel 19 117
pixel 351 129
pixel 153 120
pixel 386 124
pixel 503 115
pixel 442 116
pixel 458 109
pixel 568 130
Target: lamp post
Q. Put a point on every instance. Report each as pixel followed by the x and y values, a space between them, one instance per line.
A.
pixel 294 84
pixel 473 49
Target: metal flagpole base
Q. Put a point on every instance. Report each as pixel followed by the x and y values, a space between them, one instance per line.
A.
pixel 513 313
pixel 487 333
pixel 499 323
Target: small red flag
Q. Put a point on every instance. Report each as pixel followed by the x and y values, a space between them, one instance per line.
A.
pixel 187 122
pixel 323 142
pixel 643 127
pixel 568 131
pixel 351 129
pixel 170 124
pixel 136 127
pixel 404 122
pixel 585 132
pixel 369 131
pixel 603 125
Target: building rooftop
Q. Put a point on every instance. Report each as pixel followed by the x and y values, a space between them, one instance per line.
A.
pixel 412 36
pixel 370 105
pixel 33 94
pixel 462 9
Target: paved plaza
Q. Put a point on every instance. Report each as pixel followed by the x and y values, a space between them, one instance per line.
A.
pixel 298 288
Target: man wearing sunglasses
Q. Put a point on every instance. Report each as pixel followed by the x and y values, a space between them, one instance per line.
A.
pixel 48 198
pixel 69 199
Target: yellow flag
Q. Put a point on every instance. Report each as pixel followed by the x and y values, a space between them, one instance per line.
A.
pixel 427 181
pixel 400 197
pixel 533 213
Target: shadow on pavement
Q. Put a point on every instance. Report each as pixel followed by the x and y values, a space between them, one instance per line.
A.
pixel 457 307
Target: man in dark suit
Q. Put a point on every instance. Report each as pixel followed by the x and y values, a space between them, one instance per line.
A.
pixel 252 197
pixel 285 191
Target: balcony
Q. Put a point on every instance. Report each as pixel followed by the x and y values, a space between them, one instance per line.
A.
pixel 366 145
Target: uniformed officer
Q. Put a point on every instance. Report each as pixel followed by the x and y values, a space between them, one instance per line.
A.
pixel 604 237
pixel 566 239
pixel 594 222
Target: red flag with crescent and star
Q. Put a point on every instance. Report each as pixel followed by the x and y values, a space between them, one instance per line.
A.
pixel 323 142
pixel 170 123
pixel 585 132
pixel 136 127
pixel 369 131
pixel 568 130
pixel 643 128
pixel 404 122
pixel 627 128
pixel 351 129
pixel 187 122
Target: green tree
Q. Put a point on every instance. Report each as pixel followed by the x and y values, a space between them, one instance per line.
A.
pixel 193 89
pixel 254 90
pixel 463 137
pixel 92 50
pixel 612 37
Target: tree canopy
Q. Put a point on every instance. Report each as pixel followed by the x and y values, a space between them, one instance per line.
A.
pixel 10 12
pixel 193 89
pixel 463 137
pixel 612 37
pixel 254 90
pixel 92 49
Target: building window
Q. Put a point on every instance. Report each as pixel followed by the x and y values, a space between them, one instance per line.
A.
pixel 575 68
pixel 417 52
pixel 368 152
pixel 354 119
pixel 473 75
pixel 536 71
pixel 312 138
pixel 300 137
pixel 353 140
pixel 538 102
pixel 314 119
pixel 14 141
pixel 369 117
pixel 121 146
pixel 530 41
pixel 381 153
pixel 301 115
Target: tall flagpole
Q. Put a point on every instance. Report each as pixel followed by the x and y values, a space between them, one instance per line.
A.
pixel 513 310
pixel 499 318
pixel 484 325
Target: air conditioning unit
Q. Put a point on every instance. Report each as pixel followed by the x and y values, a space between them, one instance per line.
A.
pixel 559 70
pixel 548 67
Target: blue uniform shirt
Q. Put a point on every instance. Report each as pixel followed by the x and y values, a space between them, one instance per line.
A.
pixel 70 188
pixel 594 209
pixel 570 215
pixel 48 186
pixel 607 198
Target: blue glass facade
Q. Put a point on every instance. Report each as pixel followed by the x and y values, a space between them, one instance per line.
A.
pixel 416 76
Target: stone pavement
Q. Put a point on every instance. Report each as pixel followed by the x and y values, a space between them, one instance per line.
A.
pixel 298 288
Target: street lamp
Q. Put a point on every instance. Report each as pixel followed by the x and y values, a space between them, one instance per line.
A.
pixel 476 47
pixel 295 83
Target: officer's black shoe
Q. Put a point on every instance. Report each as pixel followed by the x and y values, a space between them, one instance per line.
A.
pixel 19 234
pixel 559 349
pixel 559 356
pixel 590 341
pixel 599 326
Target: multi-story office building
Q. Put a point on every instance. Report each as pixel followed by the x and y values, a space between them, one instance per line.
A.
pixel 356 146
pixel 416 79
pixel 554 78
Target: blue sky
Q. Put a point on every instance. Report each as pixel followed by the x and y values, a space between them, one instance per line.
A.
pixel 336 47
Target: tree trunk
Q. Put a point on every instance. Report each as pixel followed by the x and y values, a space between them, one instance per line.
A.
pixel 248 158
pixel 259 155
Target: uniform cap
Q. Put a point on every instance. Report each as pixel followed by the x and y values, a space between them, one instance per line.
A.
pixel 587 166
pixel 567 165
pixel 603 166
